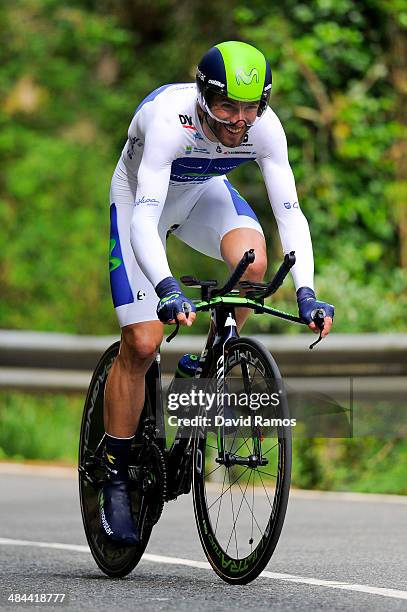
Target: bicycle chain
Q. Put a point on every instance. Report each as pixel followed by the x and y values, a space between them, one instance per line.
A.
pixel 160 472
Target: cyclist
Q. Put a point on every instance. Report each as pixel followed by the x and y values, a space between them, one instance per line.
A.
pixel 171 178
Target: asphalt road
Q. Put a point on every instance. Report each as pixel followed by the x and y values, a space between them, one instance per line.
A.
pixel 359 542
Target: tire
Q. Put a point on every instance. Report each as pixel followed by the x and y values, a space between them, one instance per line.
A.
pixel 259 534
pixel 115 560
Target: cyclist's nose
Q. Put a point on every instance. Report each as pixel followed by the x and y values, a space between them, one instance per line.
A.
pixel 239 115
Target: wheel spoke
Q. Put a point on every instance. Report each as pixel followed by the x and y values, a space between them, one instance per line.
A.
pixel 251 511
pixel 214 470
pixel 238 512
pixel 270 449
pixel 242 444
pixel 234 482
pixel 266 473
pixel 233 441
pixel 265 490
pixel 223 486
pixel 251 532
pixel 233 517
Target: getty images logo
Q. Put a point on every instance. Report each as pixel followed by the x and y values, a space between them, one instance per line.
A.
pixel 243 77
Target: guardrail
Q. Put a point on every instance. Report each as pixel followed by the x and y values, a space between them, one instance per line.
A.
pixel 52 361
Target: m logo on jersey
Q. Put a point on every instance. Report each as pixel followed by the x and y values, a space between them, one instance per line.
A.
pixel 186 122
pixel 243 77
pixel 114 262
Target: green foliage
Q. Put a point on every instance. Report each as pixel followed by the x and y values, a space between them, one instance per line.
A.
pixel 368 465
pixel 71 75
pixel 40 427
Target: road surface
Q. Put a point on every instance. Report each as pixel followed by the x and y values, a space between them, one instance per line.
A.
pixel 336 552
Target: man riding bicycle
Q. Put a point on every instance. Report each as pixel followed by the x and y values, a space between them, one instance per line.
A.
pixel 171 178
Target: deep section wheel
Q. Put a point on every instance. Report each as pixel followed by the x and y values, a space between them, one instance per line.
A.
pixel 242 471
pixel 146 471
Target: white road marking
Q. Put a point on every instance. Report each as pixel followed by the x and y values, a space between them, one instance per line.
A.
pixel 332 584
pixel 56 545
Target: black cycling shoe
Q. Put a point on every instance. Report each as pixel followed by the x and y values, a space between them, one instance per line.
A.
pixel 115 513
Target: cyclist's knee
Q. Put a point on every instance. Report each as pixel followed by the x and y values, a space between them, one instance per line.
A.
pixel 233 245
pixel 257 270
pixel 140 342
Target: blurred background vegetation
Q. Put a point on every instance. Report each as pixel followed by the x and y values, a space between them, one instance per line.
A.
pixel 71 75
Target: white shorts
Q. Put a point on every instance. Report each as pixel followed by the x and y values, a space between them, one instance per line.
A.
pixel 199 215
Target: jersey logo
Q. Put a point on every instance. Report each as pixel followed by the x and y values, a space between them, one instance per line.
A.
pixel 119 282
pixel 114 262
pixel 189 149
pixel 242 76
pixel 186 122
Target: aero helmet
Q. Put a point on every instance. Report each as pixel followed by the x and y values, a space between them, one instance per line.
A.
pixel 236 70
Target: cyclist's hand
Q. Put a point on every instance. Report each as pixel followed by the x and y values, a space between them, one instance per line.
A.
pixel 173 303
pixel 308 304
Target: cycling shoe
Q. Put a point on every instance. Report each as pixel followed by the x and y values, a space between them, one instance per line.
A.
pixel 115 513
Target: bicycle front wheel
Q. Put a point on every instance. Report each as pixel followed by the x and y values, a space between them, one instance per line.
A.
pixel 242 471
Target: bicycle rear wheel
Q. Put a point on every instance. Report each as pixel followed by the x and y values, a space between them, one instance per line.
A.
pixel 242 472
pixel 147 476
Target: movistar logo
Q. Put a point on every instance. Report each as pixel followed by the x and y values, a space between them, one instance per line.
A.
pixel 114 262
pixel 168 297
pixel 242 76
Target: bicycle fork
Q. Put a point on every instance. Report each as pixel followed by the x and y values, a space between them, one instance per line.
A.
pixel 226 458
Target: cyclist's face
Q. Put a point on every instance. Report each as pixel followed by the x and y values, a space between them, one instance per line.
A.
pixel 233 111
pixel 240 114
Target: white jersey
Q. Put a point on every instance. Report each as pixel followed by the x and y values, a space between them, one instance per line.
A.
pixel 167 148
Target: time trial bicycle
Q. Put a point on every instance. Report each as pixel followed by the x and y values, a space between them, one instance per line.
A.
pixel 239 470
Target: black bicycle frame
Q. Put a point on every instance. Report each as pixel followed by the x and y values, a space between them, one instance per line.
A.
pixel 223 330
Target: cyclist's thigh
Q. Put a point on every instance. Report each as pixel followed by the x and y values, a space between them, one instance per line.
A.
pixel 134 297
pixel 218 210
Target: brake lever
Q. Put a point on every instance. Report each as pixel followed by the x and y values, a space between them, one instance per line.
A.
pixel 174 333
pixel 177 324
pixel 318 318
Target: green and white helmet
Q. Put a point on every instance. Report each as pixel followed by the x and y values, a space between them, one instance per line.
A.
pixel 236 70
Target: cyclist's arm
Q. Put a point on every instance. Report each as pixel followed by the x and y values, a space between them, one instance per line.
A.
pixel 152 188
pixel 279 179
